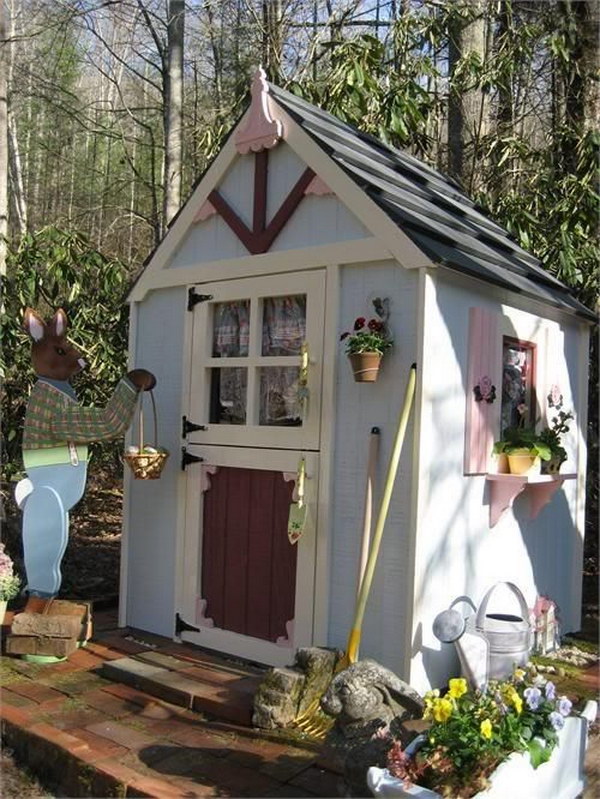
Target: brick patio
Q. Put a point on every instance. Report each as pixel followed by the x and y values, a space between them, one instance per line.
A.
pixel 176 724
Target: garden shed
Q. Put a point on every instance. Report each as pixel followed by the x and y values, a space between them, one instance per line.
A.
pixel 299 223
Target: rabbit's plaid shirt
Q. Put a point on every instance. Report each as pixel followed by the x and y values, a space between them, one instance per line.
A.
pixel 54 419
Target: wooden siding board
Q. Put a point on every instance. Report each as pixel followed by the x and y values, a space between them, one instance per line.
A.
pixel 358 409
pixel 236 550
pixel 283 574
pixel 260 554
pixel 152 521
pixel 456 550
pixel 213 547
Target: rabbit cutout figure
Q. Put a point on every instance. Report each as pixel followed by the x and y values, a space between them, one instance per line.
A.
pixel 55 437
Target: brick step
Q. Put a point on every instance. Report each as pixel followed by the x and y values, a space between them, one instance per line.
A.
pixel 227 696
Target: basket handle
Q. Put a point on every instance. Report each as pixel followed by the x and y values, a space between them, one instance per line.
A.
pixel 484 603
pixel 141 419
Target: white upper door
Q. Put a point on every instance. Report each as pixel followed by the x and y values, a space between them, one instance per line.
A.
pixel 256 363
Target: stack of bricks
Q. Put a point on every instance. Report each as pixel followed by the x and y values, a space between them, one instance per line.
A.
pixel 50 627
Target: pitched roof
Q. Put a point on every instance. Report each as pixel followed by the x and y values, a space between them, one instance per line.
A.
pixel 432 210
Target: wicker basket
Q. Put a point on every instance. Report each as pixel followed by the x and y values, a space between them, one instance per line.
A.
pixel 147 465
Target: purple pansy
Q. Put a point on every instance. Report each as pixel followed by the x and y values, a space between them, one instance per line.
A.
pixel 550 690
pixel 533 697
pixel 564 706
pixel 557 721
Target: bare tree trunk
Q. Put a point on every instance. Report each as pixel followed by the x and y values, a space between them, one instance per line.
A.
pixel 583 96
pixel 173 112
pixel 468 108
pixel 3 141
pixel 272 39
pixel 14 154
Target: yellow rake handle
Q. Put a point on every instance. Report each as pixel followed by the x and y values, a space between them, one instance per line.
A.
pixel 365 587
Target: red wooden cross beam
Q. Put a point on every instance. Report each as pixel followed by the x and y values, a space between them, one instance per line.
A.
pixel 262 235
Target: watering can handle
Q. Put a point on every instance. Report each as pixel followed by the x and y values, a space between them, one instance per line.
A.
pixel 484 603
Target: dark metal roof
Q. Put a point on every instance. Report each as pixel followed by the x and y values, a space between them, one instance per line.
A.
pixel 430 208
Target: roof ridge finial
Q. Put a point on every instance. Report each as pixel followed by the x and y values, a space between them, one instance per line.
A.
pixel 263 129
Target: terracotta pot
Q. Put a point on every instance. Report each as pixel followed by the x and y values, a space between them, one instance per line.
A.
pixel 523 461
pixel 553 465
pixel 365 366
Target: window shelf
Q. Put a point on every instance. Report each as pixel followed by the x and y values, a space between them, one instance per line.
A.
pixel 505 488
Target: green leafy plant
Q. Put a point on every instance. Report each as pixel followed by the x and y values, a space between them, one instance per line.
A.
pixel 551 435
pixel 369 335
pixel 519 438
pixel 9 581
pixel 473 731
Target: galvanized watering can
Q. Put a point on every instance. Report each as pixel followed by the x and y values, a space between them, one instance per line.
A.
pixel 489 645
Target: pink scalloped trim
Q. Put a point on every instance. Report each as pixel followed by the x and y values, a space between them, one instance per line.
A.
pixel 206 469
pixel 201 619
pixel 319 187
pixel 263 130
pixel 287 639
pixel 207 210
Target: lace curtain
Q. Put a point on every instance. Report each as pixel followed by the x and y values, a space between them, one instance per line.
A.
pixel 283 333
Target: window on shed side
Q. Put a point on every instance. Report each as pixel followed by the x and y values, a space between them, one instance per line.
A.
pixel 518 384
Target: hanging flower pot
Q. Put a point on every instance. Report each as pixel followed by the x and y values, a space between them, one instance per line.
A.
pixel 365 366
pixel 367 342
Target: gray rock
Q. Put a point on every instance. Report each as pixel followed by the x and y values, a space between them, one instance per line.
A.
pixel 286 693
pixel 367 701
pixel 276 700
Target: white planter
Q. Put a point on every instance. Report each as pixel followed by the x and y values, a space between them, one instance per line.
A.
pixel 562 777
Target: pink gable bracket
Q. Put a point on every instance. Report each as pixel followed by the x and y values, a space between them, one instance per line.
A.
pixel 206 211
pixel 318 187
pixel 263 130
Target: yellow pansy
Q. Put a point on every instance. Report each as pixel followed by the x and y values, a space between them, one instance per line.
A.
pixel 458 687
pixel 486 728
pixel 519 675
pixel 442 709
pixel 517 702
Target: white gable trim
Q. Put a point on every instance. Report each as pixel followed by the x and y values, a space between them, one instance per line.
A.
pixel 345 252
pixel 390 237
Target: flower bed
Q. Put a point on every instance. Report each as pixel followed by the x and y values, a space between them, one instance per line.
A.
pixel 514 738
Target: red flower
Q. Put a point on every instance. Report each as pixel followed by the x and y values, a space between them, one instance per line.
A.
pixel 344 335
pixel 375 325
pixel 360 323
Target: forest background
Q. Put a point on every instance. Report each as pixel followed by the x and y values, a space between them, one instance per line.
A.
pixel 110 110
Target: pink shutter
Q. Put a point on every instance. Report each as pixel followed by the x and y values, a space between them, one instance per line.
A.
pixel 484 389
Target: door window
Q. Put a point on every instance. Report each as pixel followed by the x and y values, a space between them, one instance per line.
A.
pixel 256 361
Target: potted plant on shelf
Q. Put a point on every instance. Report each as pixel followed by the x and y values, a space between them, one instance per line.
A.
pixel 367 343
pixel 489 742
pixel 9 582
pixel 523 447
pixel 551 435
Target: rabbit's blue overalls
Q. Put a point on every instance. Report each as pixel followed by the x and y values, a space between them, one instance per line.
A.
pixel 53 491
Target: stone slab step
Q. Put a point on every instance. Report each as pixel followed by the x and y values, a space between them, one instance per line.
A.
pixel 231 701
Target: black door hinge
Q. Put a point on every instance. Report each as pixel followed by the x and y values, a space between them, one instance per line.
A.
pixel 187 458
pixel 190 427
pixel 194 299
pixel 182 626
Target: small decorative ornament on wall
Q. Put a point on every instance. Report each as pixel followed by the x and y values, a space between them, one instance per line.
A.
pixel 485 391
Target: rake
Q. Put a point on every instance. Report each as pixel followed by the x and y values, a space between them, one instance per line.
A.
pixel 313 721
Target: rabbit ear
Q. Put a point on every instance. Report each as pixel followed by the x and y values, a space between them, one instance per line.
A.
pixel 34 324
pixel 59 323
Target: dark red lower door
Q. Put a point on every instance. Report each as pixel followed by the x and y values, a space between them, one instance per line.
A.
pixel 248 564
